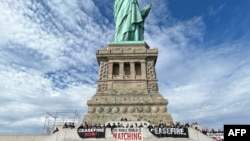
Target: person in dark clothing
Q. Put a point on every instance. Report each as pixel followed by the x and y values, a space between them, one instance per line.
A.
pixel 65 125
pixel 108 125
pixel 56 130
pixel 72 125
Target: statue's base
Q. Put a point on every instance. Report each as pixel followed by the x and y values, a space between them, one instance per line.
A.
pixel 124 45
pixel 114 106
pixel 127 85
pixel 126 42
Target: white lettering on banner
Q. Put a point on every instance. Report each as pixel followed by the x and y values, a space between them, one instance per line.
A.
pixel 127 134
pixel 216 135
pixel 92 130
pixel 175 131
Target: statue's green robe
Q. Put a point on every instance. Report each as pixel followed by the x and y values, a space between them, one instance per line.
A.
pixel 129 20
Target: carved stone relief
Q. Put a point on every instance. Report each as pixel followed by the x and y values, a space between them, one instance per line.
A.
pixel 139 109
pixel 123 109
pixel 102 86
pixel 146 109
pixel 131 109
pixel 150 70
pixel 155 109
pixel 152 86
pixel 107 109
pixel 99 110
pixel 115 110
pixel 103 74
pixel 163 109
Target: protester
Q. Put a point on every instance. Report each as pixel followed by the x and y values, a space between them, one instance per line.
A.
pixel 56 130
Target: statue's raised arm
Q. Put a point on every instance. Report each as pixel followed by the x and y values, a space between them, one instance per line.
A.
pixel 129 20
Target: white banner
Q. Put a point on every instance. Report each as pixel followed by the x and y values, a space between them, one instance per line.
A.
pixel 127 134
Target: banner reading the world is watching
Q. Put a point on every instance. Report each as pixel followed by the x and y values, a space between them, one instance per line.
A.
pixel 127 134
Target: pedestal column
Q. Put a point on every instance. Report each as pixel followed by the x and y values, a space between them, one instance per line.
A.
pixel 121 70
pixel 132 70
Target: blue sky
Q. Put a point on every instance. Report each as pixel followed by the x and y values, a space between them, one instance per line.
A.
pixel 48 62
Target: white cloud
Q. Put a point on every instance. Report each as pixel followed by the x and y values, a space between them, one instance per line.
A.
pixel 37 42
pixel 207 84
pixel 27 96
pixel 215 10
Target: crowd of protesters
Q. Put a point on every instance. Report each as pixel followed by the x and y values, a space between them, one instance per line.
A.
pixel 149 125
pixel 69 125
pixel 214 133
pixel 135 124
pixel 66 125
pixel 138 124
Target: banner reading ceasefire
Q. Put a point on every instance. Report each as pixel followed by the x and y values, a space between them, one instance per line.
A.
pixel 127 134
pixel 91 133
pixel 169 132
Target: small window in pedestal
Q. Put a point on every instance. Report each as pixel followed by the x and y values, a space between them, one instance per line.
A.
pixel 127 69
pixel 115 69
pixel 137 68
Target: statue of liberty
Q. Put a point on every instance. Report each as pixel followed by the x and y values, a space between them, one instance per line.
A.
pixel 129 20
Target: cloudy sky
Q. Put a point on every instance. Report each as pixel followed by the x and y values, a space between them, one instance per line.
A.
pixel 48 62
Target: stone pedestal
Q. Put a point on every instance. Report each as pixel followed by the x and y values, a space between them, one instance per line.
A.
pixel 127 85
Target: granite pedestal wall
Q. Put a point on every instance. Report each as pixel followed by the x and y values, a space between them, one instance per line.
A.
pixel 127 85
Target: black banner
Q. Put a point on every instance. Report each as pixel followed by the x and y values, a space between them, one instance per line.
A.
pixel 91 133
pixel 169 132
